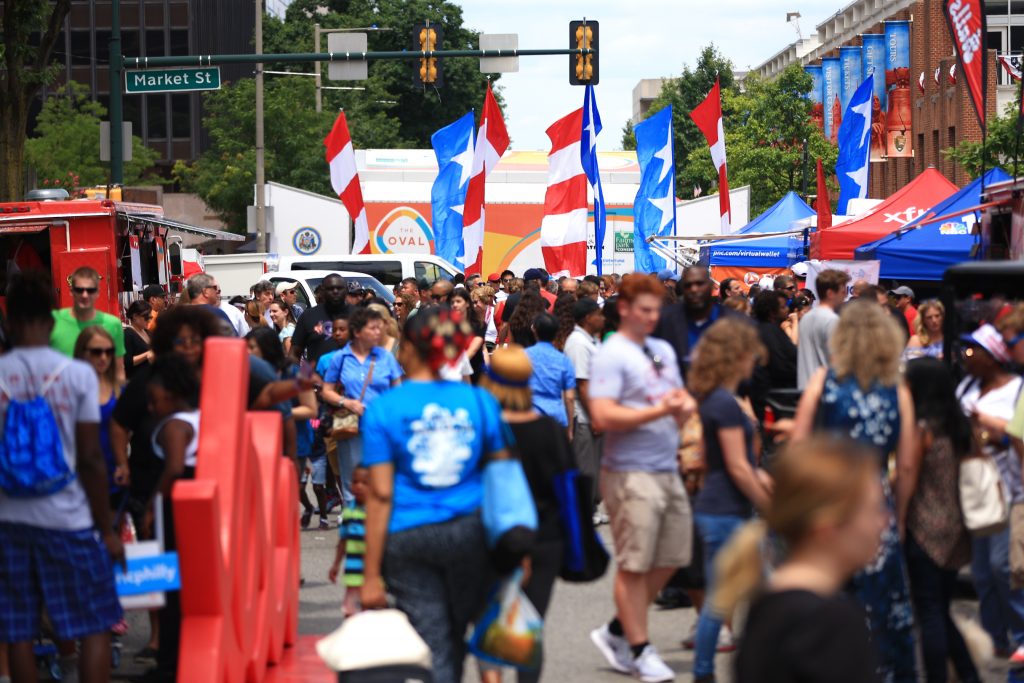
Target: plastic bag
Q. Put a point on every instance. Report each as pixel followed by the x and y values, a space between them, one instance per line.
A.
pixel 510 631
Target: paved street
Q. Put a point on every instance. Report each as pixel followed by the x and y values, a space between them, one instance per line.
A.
pixel 576 609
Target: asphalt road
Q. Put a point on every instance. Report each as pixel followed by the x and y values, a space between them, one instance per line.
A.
pixel 575 610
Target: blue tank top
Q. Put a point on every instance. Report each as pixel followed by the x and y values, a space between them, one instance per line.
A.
pixel 106 411
pixel 871 417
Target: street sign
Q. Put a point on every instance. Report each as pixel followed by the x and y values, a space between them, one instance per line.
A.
pixel 499 41
pixel 347 71
pixel 171 80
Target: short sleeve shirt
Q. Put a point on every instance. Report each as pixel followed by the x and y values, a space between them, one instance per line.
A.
pixel 313 331
pixel 638 376
pixel 436 435
pixel 720 495
pixel 580 349
pixel 74 398
pixel 66 328
pixel 350 374
pixel 552 375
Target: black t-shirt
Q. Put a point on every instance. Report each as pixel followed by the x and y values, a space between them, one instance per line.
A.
pixel 801 637
pixel 132 413
pixel 134 345
pixel 313 331
pixel 780 370
pixel 720 495
pixel 543 447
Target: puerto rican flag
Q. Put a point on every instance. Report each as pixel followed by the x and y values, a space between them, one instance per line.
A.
pixel 491 142
pixel 345 180
pixel 563 230
pixel 708 117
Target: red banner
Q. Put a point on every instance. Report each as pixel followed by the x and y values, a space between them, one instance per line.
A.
pixel 966 19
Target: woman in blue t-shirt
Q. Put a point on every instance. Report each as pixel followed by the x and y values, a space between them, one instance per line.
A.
pixel 425 444
pixel 734 486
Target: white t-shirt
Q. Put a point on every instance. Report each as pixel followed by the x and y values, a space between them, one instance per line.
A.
pixel 999 403
pixel 457 372
pixel 236 317
pixel 580 349
pixel 74 398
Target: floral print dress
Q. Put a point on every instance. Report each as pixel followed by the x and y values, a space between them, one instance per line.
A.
pixel 873 418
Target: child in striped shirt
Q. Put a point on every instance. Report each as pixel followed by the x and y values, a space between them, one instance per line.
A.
pixel 352 543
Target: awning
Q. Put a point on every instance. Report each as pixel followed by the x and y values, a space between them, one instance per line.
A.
pixel 24 228
pixel 185 227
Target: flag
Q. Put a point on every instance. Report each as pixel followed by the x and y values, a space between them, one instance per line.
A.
pixel 563 230
pixel 708 117
pixel 966 20
pixel 345 181
pixel 588 155
pixel 453 147
pixel 491 142
pixel 822 204
pixel 937 75
pixel 952 74
pixel 1012 65
pixel 920 82
pixel 855 146
pixel 654 209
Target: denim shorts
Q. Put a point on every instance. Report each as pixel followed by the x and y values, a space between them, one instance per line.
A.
pixel 318 469
pixel 69 573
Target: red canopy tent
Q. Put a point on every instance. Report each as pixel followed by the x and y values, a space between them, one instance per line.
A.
pixel 911 202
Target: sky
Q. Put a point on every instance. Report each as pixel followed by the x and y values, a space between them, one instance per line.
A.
pixel 638 39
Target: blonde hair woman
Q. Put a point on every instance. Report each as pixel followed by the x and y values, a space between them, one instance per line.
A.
pixel 928 339
pixel 391 334
pixel 861 395
pixel 734 486
pixel 829 510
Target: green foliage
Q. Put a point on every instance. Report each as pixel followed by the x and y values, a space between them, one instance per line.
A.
pixel 999 150
pixel 628 136
pixel 66 149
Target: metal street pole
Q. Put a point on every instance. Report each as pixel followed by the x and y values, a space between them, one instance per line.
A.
pixel 319 71
pixel 262 239
pixel 116 113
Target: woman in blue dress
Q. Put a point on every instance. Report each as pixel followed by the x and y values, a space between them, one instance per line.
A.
pixel 861 395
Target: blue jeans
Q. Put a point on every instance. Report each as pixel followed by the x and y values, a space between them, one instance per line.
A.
pixel 1002 609
pixel 350 454
pixel 715 531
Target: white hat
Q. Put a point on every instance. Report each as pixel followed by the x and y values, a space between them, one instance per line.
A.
pixel 283 287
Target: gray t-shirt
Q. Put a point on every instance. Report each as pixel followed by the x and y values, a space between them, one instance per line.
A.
pixel 73 397
pixel 812 352
pixel 623 372
pixel 580 349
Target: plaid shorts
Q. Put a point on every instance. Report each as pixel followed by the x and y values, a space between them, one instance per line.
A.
pixel 69 573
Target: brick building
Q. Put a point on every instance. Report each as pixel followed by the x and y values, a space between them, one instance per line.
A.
pixel 943 114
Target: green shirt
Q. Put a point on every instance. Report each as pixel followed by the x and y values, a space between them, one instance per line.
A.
pixel 1016 426
pixel 67 327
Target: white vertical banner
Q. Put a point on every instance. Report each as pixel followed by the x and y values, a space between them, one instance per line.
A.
pixel 133 246
pixel 857 270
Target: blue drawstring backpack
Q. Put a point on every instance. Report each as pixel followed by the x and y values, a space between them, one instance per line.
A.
pixel 32 460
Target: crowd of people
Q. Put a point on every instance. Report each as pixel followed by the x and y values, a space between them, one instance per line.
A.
pixel 839 525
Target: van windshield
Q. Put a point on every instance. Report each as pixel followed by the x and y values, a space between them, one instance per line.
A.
pixel 387 272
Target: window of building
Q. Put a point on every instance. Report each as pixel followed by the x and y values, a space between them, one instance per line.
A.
pixel 81 48
pixel 156 113
pixel 1016 7
pixel 181 119
pixel 950 143
pixel 919 152
pixel 936 154
pixel 1016 39
pixel 179 42
pixel 131 110
pixel 155 44
pixel 103 48
pixel 997 7
pixel 130 44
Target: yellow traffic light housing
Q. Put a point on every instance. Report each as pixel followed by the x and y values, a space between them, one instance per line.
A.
pixel 583 35
pixel 427 38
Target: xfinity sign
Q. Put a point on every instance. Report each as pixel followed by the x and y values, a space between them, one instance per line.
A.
pixel 171 80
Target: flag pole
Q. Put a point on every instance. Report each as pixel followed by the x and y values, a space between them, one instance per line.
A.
pixel 1020 110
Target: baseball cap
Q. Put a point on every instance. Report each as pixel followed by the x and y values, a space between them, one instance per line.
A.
pixel 535 274
pixel 666 275
pixel 283 287
pixel 902 290
pixel 988 338
pixel 354 287
pixel 494 277
pixel 153 290
pixel 584 307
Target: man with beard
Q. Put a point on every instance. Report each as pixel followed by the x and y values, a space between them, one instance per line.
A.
pixel 682 324
pixel 313 331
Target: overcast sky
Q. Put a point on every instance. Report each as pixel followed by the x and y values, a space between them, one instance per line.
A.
pixel 638 39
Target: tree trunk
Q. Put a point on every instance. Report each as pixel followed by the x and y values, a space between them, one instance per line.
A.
pixel 14 117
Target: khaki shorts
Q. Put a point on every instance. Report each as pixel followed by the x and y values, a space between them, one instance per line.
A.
pixel 1017 546
pixel 650 518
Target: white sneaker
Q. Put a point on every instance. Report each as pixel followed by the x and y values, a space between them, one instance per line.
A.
pixel 614 648
pixel 726 642
pixel 650 668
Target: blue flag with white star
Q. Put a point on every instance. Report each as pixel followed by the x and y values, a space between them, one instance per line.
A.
pixel 654 209
pixel 854 140
pixel 453 147
pixel 588 155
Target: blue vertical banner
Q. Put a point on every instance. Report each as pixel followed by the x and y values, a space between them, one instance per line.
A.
pixel 588 156
pixel 453 147
pixel 851 63
pixel 897 81
pixel 654 209
pixel 815 94
pixel 832 87
pixel 875 58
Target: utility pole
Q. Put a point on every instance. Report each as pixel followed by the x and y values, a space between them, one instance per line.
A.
pixel 262 239
pixel 319 71
pixel 116 113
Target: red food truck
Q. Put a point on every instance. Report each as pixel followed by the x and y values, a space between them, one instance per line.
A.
pixel 130 245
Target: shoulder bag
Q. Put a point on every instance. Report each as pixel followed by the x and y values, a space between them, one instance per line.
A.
pixel 984 500
pixel 344 422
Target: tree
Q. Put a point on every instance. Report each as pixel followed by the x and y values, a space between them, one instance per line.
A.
pixel 628 137
pixel 30 30
pixel 67 143
pixel 999 149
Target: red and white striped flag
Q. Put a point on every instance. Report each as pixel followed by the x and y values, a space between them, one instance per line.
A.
pixel 491 142
pixel 708 117
pixel 345 181
pixel 563 230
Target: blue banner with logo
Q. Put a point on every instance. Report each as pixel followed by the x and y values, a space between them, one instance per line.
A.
pixel 814 94
pixel 898 111
pixel 853 71
pixel 897 44
pixel 149 575
pixel 874 59
pixel 832 87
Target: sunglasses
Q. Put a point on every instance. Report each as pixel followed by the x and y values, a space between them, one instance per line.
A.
pixel 213 287
pixel 85 290
pixel 100 351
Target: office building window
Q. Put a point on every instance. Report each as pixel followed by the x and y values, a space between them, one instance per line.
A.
pixel 155 44
pixel 131 109
pixel 181 120
pixel 919 152
pixel 130 46
pixel 179 42
pixel 936 154
pixel 103 48
pixel 81 48
pixel 156 112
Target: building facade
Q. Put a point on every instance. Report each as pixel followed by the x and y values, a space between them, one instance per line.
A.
pixel 940 105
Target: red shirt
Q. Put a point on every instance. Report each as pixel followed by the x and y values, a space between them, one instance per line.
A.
pixel 910 313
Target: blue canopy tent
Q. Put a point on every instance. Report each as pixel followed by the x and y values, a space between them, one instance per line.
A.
pixel 926 247
pixel 768 252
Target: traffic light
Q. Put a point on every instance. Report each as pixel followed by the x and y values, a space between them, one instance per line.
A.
pixel 583 68
pixel 427 70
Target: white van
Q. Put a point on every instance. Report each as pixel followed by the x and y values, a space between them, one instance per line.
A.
pixel 389 269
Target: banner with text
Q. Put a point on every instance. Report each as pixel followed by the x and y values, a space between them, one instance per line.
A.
pixel 966 19
pixel 832 79
pixel 874 60
pixel 857 270
pixel 897 81
pixel 815 94
pixel 851 63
